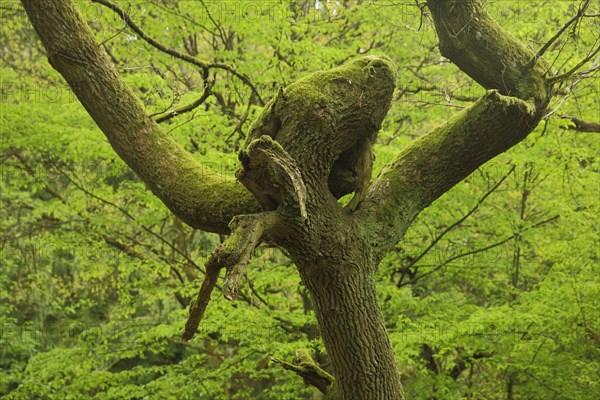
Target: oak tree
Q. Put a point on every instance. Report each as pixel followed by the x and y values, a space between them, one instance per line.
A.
pixel 311 145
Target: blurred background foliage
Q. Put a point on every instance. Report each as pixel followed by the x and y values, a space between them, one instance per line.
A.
pixel 492 294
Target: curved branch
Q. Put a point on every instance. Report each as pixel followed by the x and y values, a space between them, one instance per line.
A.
pixel 199 196
pixel 439 160
pixel 190 107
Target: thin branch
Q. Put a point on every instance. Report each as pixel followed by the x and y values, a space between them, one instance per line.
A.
pixel 453 225
pixel 131 217
pixel 254 292
pixel 221 32
pixel 476 251
pixel 546 46
pixel 568 90
pixel 177 54
pixel 568 74
pixel 580 125
pixel 190 107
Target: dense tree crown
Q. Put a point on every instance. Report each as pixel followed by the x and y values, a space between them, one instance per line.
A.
pixel 401 198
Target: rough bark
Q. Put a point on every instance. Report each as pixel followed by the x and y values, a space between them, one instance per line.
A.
pixel 196 194
pixel 353 328
pixel 316 123
pixel 486 52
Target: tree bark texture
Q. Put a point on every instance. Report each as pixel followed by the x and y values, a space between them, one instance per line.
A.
pixel 310 146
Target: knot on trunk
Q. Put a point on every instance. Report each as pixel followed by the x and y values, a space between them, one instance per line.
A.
pixel 326 123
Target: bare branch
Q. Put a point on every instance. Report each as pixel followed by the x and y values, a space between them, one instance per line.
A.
pixel 177 54
pixel 546 46
pixel 568 74
pixel 476 251
pixel 580 125
pixel 247 231
pixel 171 114
pixel 454 225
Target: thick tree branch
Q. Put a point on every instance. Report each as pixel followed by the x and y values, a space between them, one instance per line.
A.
pixel 200 197
pixel 486 52
pixel 436 162
pixel 439 160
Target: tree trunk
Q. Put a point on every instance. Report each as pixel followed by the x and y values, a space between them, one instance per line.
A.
pixel 353 330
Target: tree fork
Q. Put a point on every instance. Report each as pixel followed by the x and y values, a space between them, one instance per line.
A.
pixel 318 122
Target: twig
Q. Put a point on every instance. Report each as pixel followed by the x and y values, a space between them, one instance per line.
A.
pixel 452 226
pixel 546 46
pixel 476 251
pixel 568 74
pixel 177 54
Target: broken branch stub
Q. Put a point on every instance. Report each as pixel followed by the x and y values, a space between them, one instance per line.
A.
pixel 272 175
pixel 233 254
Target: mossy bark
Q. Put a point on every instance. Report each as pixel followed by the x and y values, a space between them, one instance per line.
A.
pixel 486 52
pixel 352 327
pixel 311 145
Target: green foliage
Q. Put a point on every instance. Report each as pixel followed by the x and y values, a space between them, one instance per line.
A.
pixel 97 275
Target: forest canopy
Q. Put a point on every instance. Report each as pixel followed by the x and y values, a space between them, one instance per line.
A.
pixel 492 292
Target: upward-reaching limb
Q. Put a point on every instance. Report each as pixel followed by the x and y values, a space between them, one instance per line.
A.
pixel 196 194
pixel 433 164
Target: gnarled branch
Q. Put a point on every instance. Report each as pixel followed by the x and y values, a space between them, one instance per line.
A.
pixel 247 231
